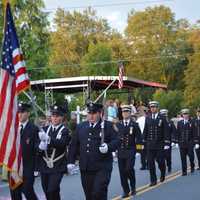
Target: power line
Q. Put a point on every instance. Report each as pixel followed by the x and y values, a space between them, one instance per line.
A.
pixel 108 5
pixel 118 61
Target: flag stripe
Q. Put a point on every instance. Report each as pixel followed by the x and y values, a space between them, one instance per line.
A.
pixel 17 59
pixel 14 146
pixel 21 71
pixel 7 129
pixel 3 92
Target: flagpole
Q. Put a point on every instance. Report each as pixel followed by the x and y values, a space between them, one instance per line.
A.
pixel 105 90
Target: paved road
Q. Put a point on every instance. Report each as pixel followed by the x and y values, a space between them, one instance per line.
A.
pixel 71 186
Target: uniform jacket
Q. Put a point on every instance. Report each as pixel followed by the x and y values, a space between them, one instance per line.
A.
pixel 156 132
pixel 129 136
pixel 172 131
pixel 59 143
pixel 196 130
pixel 86 142
pixel 29 138
pixel 185 136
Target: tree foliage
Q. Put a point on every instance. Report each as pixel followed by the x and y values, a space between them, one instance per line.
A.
pixel 97 61
pixel 171 100
pixel 154 45
pixel 192 78
pixel 74 32
pixel 32 29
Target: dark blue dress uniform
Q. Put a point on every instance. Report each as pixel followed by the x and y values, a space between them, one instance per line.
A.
pixel 95 167
pixel 129 135
pixel 185 140
pixel 168 152
pixel 196 134
pixel 29 138
pixel 51 175
pixel 156 136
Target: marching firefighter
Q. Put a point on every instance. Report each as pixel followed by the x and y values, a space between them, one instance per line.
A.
pixel 130 134
pixel 172 135
pixel 156 139
pixel 196 134
pixel 29 138
pixel 54 140
pixel 185 140
pixel 95 140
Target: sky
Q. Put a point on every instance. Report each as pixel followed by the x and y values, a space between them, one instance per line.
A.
pixel 117 14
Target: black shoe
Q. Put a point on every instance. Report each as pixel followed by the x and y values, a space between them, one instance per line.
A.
pixel 184 174
pixel 162 179
pixel 198 168
pixel 152 184
pixel 133 192
pixel 143 168
pixel 169 169
pixel 125 195
pixel 192 170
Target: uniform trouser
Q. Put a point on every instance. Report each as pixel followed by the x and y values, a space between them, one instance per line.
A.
pixel 95 184
pixel 152 156
pixel 168 157
pixel 26 188
pixel 127 173
pixel 184 152
pixel 143 154
pixel 51 185
pixel 198 155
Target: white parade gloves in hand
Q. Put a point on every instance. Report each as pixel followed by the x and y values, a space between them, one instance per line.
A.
pixel 166 147
pixel 70 168
pixel 43 136
pixel 103 148
pixel 197 146
pixel 176 145
pixel 43 145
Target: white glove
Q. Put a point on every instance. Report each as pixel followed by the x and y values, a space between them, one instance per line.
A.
pixel 70 167
pixel 43 136
pixel 36 173
pixel 172 144
pixel 166 147
pixel 43 145
pixel 176 145
pixel 103 148
pixel 137 154
pixel 197 146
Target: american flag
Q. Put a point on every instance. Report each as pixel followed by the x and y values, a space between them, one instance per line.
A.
pixel 121 74
pixel 13 80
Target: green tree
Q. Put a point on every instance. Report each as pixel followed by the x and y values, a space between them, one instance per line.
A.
pixel 192 78
pixel 98 61
pixel 155 46
pixel 33 33
pixel 171 100
pixel 74 32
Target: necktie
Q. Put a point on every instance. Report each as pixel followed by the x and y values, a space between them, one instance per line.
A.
pixel 92 125
pixel 153 116
pixel 126 124
pixel 21 129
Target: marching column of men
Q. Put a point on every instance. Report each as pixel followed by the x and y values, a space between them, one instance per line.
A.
pixel 93 143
